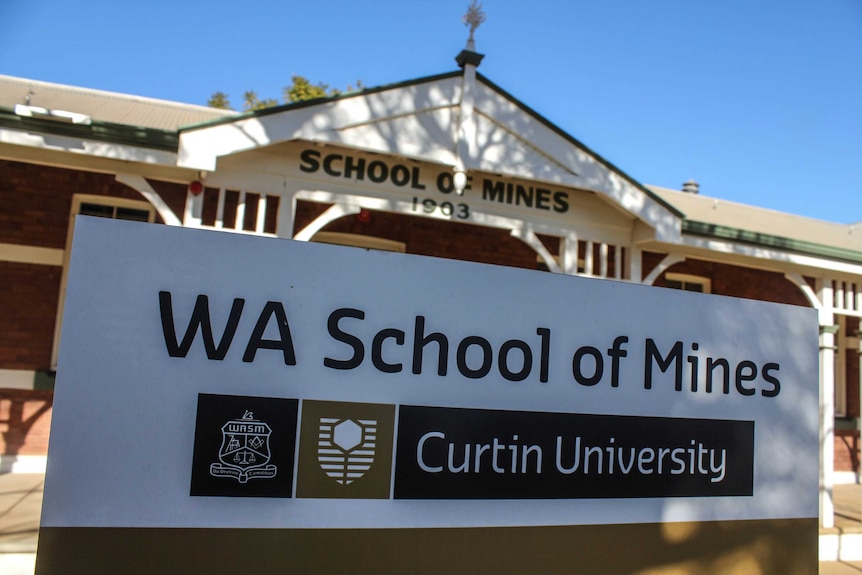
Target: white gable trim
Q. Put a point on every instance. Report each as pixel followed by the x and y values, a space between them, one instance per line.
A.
pixel 422 121
pixel 363 121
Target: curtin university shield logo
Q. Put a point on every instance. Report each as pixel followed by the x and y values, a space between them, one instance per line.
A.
pixel 244 446
pixel 244 452
pixel 345 450
pixel 345 447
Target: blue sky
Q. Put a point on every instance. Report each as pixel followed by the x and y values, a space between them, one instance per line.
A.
pixel 758 100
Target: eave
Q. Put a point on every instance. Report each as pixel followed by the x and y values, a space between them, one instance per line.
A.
pixel 120 134
pixel 736 235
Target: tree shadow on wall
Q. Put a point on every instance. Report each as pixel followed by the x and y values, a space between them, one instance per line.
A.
pixel 19 413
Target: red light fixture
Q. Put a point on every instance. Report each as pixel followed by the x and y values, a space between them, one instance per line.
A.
pixel 196 187
pixel 364 216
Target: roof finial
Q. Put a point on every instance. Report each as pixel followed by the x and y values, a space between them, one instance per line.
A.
pixel 473 18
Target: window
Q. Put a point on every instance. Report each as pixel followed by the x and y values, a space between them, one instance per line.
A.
pixel 136 214
pixel 688 282
pixel 99 206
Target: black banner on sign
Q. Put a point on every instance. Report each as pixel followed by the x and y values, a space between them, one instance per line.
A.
pixel 448 453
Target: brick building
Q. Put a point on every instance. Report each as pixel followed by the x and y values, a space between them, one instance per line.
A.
pixel 446 166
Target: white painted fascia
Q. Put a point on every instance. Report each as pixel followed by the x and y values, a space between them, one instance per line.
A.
pixel 337 122
pixel 55 115
pixel 775 257
pixel 87 147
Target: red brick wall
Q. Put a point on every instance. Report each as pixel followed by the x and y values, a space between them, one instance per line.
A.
pixel 28 308
pixel 25 419
pixel 430 237
pixel 736 281
pixel 649 260
pixel 306 212
pixel 173 194
pixel 846 450
pixel 36 201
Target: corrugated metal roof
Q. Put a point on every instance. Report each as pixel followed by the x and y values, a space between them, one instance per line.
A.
pixel 719 212
pixel 106 106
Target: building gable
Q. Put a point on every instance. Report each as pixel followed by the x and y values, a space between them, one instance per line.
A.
pixel 444 120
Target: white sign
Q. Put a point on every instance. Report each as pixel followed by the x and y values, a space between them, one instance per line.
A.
pixel 217 380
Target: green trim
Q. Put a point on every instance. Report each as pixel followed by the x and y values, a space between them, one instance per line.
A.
pixel 152 138
pixel 767 240
pixel 559 131
pixel 44 380
pixel 848 423
pixel 316 102
pixel 831 329
pixel 466 57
